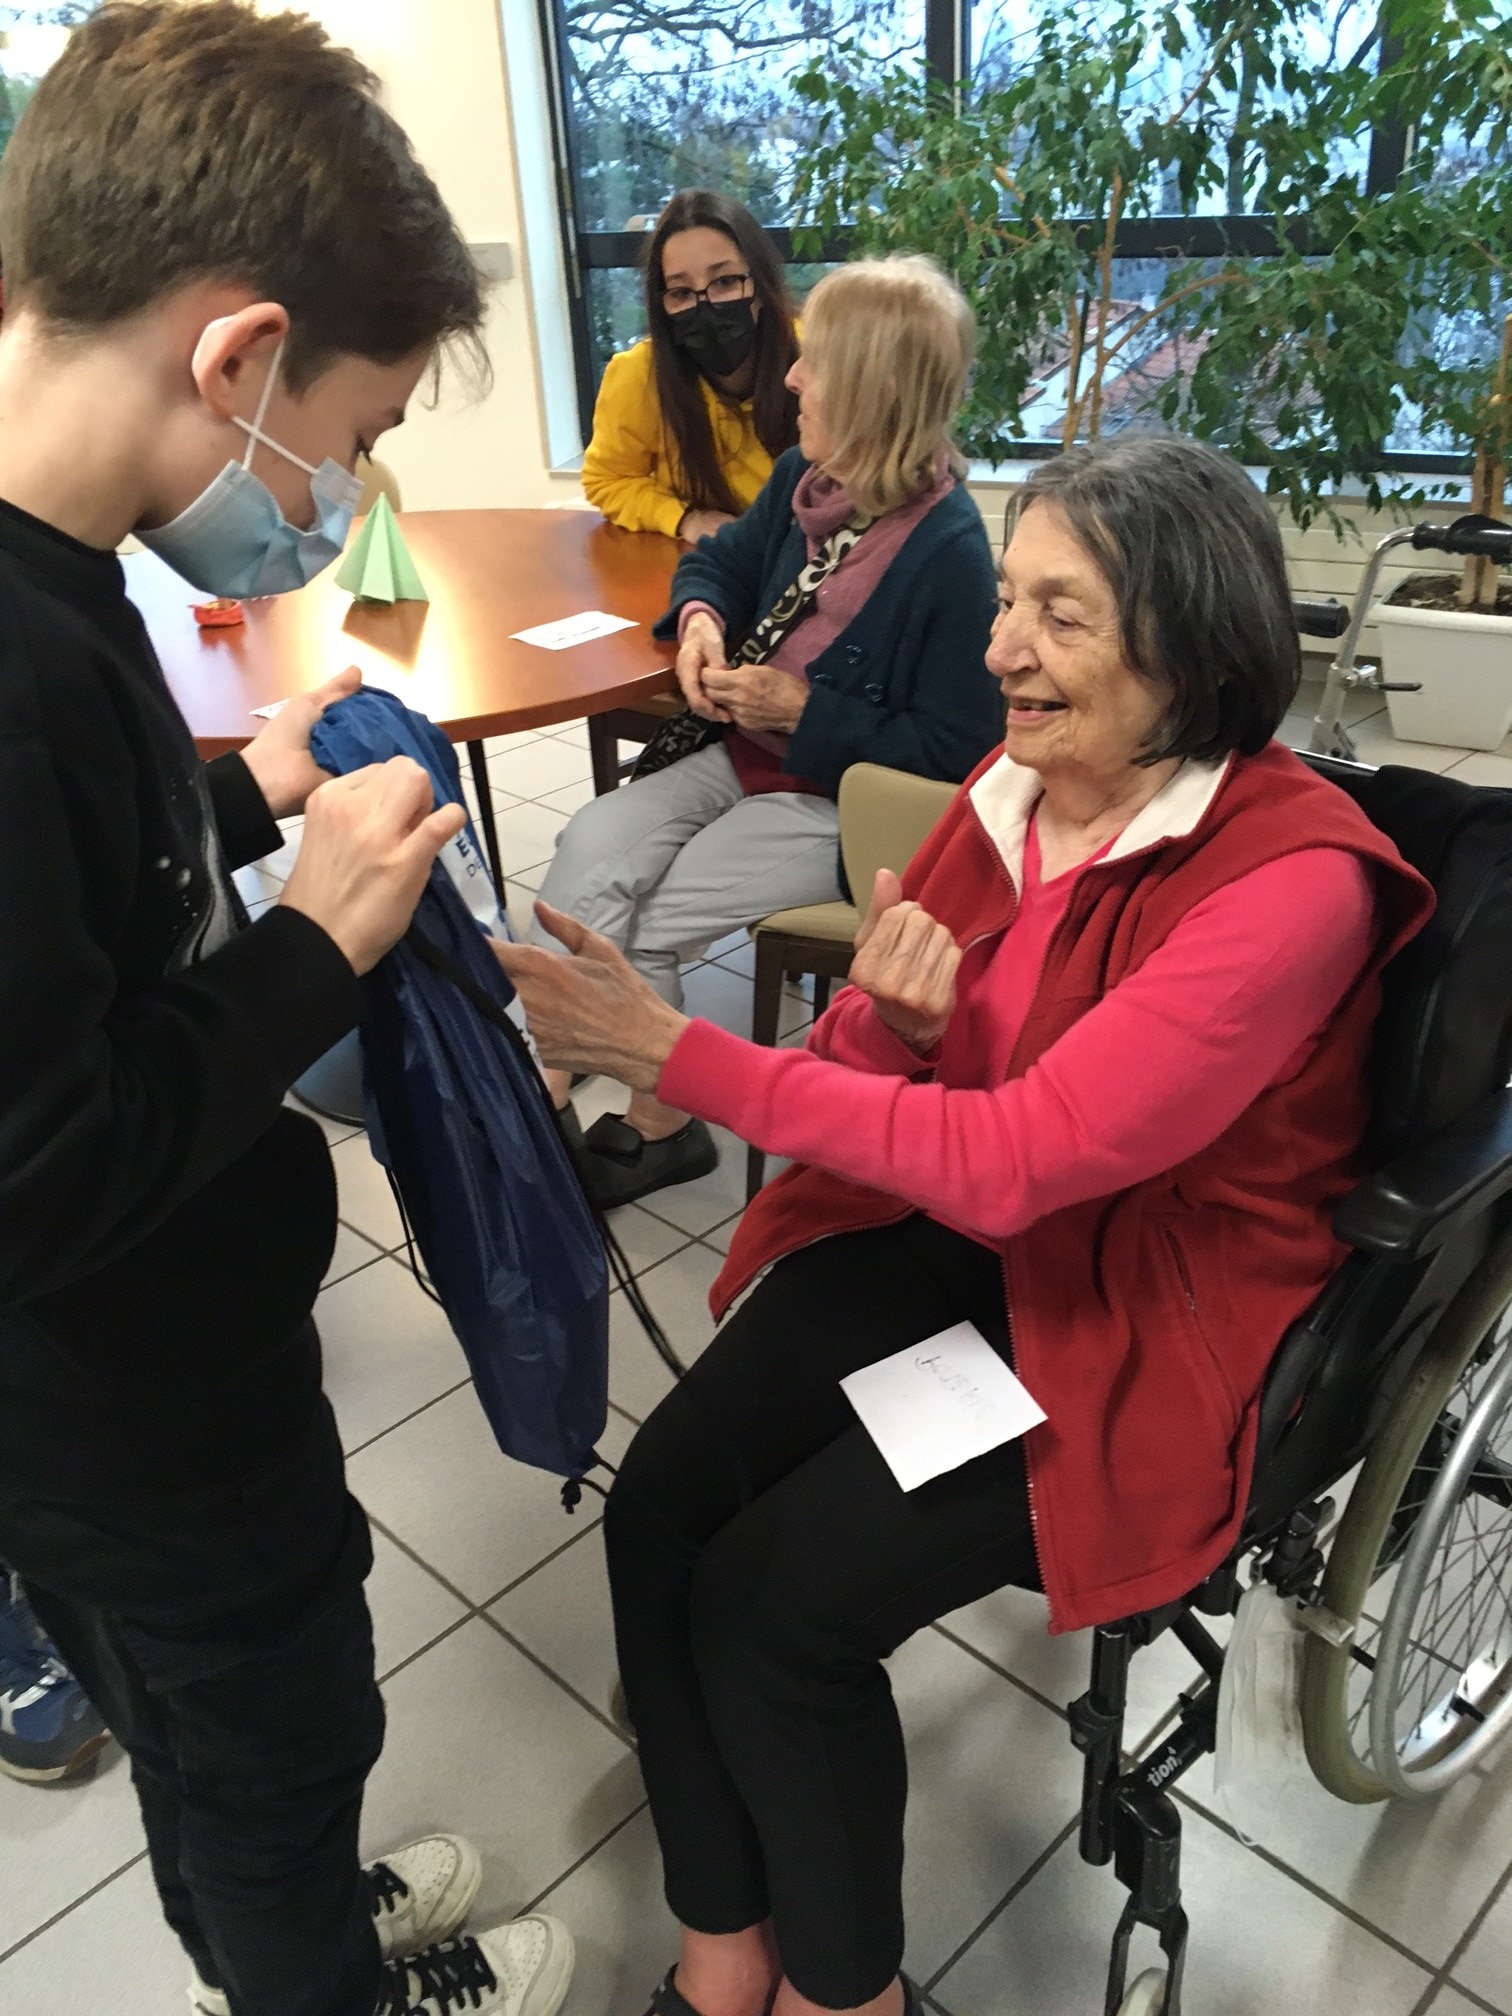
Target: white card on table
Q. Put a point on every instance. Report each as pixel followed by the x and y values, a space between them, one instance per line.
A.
pixel 935 1405
pixel 570 630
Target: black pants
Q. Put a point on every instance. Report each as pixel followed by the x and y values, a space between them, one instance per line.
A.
pixel 226 1640
pixel 764 1562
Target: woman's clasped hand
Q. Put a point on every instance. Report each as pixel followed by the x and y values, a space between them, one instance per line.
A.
pixel 907 962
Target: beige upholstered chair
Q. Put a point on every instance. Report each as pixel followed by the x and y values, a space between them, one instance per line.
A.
pixel 885 816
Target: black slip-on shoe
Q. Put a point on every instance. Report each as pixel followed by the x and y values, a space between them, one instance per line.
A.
pixel 667 2001
pixel 572 1130
pixel 619 1166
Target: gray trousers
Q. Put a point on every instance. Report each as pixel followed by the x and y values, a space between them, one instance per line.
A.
pixel 665 866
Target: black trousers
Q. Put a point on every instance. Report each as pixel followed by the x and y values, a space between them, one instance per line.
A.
pixel 764 1562
pixel 225 1638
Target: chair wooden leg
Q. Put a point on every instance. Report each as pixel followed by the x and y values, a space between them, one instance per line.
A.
pixel 766 1009
pixel 822 984
pixel 603 750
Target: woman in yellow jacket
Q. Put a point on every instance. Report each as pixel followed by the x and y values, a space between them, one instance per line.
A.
pixel 690 421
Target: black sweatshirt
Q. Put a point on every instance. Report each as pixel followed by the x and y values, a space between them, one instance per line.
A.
pixel 165 1220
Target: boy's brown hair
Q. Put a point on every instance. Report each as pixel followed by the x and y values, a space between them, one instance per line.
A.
pixel 171 143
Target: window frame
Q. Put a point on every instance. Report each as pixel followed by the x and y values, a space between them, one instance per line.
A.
pixel 947 56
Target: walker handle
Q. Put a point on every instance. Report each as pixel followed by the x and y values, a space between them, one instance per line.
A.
pixel 1317 617
pixel 1491 538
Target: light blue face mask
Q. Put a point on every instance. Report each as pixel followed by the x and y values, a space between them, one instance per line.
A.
pixel 234 539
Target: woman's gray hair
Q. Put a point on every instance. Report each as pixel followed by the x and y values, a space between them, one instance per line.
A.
pixel 1193 555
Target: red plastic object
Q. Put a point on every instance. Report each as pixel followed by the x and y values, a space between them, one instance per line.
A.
pixel 219 614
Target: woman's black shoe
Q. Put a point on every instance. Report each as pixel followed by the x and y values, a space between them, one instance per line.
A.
pixel 619 1165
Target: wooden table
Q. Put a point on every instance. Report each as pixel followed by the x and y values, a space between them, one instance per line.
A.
pixel 455 658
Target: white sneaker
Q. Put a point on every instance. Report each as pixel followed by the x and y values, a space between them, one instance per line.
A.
pixel 421 1894
pixel 519 1969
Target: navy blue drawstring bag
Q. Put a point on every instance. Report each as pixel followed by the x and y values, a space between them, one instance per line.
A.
pixel 457 1113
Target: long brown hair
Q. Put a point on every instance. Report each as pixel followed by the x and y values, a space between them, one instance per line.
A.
pixel 679 382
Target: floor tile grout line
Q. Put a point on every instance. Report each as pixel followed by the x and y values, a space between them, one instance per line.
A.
pixel 573 1540
pixel 1445 1975
pixel 598 1714
pixel 83 1898
pixel 585 1858
pixel 414 1414
pixel 409 1659
pixel 1469 1995
pixel 1302 1880
pixel 1003 1673
pixel 1015 1889
pixel 420 1561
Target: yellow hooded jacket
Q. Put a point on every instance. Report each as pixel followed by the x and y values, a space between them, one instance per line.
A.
pixel 628 466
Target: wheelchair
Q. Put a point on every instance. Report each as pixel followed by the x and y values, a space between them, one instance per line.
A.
pixel 1401 1369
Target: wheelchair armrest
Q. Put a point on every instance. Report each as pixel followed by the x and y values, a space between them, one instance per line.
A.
pixel 1410 1207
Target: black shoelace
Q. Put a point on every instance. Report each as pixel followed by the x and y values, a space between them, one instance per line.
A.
pixel 388 1887
pixel 454 1975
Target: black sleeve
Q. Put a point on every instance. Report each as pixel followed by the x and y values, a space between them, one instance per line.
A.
pixel 116 1107
pixel 247 828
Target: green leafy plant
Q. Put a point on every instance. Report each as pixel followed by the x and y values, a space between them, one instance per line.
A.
pixel 1020 188
pixel 1380 313
pixel 1364 313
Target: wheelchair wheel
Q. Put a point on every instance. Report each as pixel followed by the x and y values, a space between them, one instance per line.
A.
pixel 1421 1567
pixel 1147 1996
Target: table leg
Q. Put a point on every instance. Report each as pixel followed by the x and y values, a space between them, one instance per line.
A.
pixel 478 758
pixel 603 748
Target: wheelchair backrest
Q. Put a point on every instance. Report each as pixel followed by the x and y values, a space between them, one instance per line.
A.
pixel 1444 1037
pixel 1442 1043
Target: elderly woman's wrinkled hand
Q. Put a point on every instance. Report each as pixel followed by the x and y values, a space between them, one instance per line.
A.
pixel 701 652
pixel 593 1011
pixel 758 696
pixel 907 963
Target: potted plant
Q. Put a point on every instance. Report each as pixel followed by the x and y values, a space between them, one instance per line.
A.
pixel 1020 187
pixel 1389 318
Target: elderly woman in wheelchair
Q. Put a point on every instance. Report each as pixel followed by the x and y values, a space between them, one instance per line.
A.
pixel 1099 1082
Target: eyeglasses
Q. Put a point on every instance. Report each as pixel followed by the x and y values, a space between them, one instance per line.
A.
pixel 725 287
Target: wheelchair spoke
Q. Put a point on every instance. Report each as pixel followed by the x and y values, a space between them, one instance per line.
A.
pixel 1454 1669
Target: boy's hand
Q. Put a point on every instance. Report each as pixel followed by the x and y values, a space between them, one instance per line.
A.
pixel 279 755
pixel 369 842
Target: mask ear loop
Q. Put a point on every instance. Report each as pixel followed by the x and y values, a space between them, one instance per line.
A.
pixel 254 427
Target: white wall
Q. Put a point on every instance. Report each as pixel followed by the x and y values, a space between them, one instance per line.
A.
pixel 442 67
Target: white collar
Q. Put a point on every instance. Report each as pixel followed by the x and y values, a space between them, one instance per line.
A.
pixel 1005 797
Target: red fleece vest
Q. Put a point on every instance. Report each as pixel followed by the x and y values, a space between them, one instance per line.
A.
pixel 1144 1322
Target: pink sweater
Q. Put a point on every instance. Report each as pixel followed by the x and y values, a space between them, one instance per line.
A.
pixel 1233 1001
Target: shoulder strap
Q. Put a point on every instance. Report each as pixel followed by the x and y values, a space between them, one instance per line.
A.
pixel 797 600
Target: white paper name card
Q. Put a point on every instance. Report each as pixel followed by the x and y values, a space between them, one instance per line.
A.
pixel 570 630
pixel 937 1404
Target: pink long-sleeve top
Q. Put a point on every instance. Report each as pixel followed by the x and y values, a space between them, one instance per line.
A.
pixel 1231 1002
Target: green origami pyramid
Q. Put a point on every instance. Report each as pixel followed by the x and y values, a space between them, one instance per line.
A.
pixel 379 567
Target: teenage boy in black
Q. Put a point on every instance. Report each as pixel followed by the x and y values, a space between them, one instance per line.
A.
pixel 225 274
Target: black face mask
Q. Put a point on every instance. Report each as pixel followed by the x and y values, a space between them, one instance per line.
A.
pixel 718 336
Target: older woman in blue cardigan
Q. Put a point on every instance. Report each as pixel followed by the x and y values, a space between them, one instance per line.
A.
pixel 844 619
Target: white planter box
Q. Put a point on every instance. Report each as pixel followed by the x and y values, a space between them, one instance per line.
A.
pixel 1464 663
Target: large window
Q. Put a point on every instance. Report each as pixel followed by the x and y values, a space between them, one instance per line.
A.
pixel 31 39
pixel 654 95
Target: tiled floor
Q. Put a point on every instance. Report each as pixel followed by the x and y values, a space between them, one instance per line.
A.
pixel 493 1639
